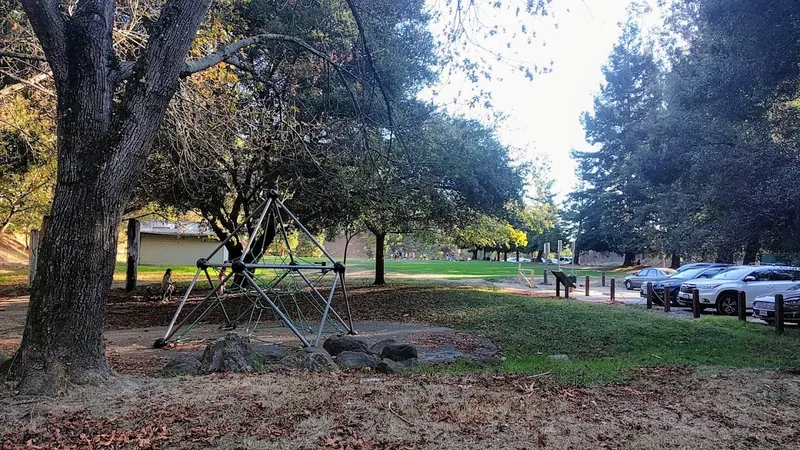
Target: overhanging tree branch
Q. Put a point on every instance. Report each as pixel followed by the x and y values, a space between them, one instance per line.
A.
pixel 48 24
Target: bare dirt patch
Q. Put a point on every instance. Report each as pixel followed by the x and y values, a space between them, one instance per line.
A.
pixel 358 411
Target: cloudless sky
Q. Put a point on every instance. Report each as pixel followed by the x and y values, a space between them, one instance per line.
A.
pixel 542 117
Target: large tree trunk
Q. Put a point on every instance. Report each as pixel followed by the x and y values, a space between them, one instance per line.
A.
pixel 629 259
pixel 676 261
pixel 751 251
pixel 380 241
pixel 102 148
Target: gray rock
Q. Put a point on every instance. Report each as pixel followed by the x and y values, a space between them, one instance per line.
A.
pixel 3 355
pixel 356 360
pixel 269 352
pixel 313 359
pixel 338 344
pixel 389 366
pixel 399 352
pixel 181 364
pixel 377 348
pixel 559 358
pixel 229 354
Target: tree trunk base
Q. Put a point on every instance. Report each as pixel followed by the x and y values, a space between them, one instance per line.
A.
pixel 54 378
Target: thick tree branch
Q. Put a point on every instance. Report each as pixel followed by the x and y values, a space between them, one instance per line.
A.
pixel 23 83
pixel 230 50
pixel 49 26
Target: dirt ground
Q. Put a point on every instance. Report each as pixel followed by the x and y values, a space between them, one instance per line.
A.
pixel 296 410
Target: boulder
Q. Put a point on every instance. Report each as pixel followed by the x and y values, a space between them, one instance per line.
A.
pixel 559 358
pixel 181 364
pixel 313 359
pixel 377 348
pixel 269 352
pixel 339 344
pixel 399 352
pixel 389 366
pixel 229 354
pixel 356 360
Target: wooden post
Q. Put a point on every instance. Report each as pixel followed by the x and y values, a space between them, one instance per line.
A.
pixel 741 305
pixel 519 272
pixel 35 245
pixel 695 303
pixel 33 256
pixel 649 295
pixel 603 279
pixel 666 299
pixel 131 274
pixel 613 288
pixel 779 313
pixel 566 289
pixel 586 284
pixel 558 288
pixel 544 275
pixel 533 283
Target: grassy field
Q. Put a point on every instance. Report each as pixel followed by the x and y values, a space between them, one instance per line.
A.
pixel 603 342
pixel 402 269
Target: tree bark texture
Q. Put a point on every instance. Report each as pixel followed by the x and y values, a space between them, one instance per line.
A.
pixel 475 254
pixel 380 272
pixel 102 148
pixel 676 261
pixel 629 259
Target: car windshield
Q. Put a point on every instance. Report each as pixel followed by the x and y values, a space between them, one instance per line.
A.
pixel 686 267
pixel 689 273
pixel 733 274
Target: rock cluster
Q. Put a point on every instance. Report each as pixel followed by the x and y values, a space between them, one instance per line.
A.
pixel 235 353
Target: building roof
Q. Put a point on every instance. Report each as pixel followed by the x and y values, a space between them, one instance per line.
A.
pixel 178 228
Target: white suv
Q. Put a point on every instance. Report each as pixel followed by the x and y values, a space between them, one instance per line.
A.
pixel 722 290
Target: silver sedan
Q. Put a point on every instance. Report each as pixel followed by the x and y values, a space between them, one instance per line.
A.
pixel 643 276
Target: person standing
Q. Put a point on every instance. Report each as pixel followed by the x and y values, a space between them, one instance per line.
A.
pixel 167 287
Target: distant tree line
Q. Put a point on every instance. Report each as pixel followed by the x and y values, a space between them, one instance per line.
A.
pixel 697 136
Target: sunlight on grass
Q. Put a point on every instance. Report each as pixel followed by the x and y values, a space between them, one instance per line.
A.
pixel 603 342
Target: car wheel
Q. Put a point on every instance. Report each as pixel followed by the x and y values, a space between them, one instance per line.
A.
pixel 727 304
pixel 628 285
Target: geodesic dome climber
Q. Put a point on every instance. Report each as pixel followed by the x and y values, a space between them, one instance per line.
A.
pixel 267 282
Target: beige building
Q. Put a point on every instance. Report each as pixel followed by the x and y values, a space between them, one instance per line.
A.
pixel 177 243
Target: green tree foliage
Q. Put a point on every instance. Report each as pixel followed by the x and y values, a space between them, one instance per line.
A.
pixel 697 147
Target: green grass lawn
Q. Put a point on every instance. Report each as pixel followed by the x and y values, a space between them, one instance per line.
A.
pixel 488 270
pixel 603 341
pixel 397 270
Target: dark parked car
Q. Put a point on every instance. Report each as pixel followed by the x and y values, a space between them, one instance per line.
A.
pixel 698 265
pixel 673 283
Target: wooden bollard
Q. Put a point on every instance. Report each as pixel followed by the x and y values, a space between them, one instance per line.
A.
pixel 741 306
pixel 613 288
pixel 586 284
pixel 695 303
pixel 649 295
pixel 603 279
pixel 544 275
pixel 533 283
pixel 566 289
pixel 779 313
pixel 665 299
pixel 558 288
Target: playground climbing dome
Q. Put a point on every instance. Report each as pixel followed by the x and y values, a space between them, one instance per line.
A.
pixel 267 283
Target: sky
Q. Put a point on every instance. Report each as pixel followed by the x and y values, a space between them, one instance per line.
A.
pixel 542 116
